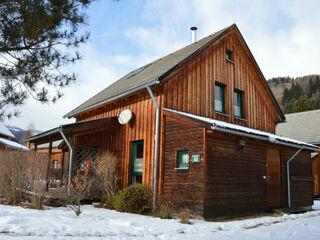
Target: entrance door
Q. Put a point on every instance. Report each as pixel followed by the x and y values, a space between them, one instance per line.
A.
pixel 273 178
pixel 137 162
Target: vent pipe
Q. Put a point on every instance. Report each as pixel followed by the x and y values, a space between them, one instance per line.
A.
pixel 193 34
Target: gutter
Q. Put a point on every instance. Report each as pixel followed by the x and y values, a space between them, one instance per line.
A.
pixel 156 140
pixel 259 137
pixel 70 158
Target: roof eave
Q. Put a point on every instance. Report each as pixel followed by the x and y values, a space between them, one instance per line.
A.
pixel 264 138
pixel 150 84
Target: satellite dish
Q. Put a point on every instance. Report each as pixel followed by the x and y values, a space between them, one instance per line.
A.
pixel 125 116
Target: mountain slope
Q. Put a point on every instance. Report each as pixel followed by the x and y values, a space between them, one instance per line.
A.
pixel 296 94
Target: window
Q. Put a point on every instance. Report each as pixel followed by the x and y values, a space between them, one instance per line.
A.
pixel 219 98
pixel 55 164
pixel 238 104
pixel 229 55
pixel 183 159
pixel 137 162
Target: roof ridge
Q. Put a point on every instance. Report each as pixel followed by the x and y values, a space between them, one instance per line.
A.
pixel 303 112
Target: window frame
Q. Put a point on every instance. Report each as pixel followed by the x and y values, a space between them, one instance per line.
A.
pixel 180 154
pixel 133 159
pixel 223 98
pixel 238 92
pixel 229 53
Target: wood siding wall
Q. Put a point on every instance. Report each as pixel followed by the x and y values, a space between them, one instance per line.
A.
pixel 57 155
pixel 301 178
pixel 235 183
pixel 141 127
pixel 191 88
pixel 183 186
pixel 316 174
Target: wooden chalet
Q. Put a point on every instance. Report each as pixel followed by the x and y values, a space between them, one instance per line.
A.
pixel 203 128
pixel 8 142
pixel 305 126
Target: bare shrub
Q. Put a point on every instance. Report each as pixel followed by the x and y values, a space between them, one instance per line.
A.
pixel 23 176
pixel 36 170
pixel 184 215
pixel 79 190
pixel 163 211
pixel 12 178
pixel 105 176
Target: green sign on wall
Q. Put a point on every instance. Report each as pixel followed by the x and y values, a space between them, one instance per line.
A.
pixel 196 158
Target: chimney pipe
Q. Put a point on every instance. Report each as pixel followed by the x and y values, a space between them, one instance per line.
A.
pixel 193 32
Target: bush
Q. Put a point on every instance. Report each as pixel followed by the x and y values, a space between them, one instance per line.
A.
pixel 136 198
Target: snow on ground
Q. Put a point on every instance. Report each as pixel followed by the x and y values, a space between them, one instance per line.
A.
pixel 95 223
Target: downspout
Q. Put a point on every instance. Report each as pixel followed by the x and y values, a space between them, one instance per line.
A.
pixel 70 158
pixel 156 137
pixel 288 175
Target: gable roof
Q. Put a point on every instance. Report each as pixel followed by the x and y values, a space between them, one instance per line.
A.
pixel 150 74
pixel 304 126
pixel 147 74
pixel 5 131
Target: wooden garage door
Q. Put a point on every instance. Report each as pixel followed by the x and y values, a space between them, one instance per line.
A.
pixel 273 178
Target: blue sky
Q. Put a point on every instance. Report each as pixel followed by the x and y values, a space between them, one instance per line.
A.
pixel 283 36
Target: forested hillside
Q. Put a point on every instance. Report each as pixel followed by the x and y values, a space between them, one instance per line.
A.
pixel 296 94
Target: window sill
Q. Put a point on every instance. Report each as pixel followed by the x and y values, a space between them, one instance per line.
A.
pixel 181 168
pixel 230 61
pixel 223 114
pixel 239 118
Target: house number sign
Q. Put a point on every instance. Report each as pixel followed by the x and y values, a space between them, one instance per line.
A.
pixel 196 158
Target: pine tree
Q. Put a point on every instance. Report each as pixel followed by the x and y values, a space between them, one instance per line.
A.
pixel 37 39
pixel 302 104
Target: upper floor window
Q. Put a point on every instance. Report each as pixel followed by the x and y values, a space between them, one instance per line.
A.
pixel 219 98
pixel 238 103
pixel 229 55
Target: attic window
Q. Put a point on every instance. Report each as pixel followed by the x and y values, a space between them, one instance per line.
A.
pixel 139 70
pixel 229 55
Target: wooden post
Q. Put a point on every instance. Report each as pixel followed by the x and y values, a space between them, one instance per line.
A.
pixel 49 166
pixel 62 165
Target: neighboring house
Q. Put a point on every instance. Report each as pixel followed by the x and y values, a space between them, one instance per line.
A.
pixel 202 131
pixel 8 141
pixel 305 126
pixel 56 158
pixel 55 153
